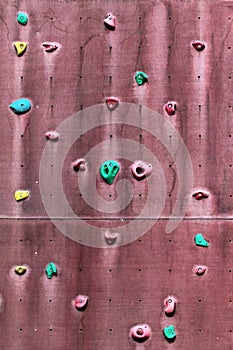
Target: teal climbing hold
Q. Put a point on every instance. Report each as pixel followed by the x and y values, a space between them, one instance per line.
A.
pixel 109 170
pixel 169 332
pixel 20 106
pixel 141 78
pixel 22 18
pixel 200 240
pixel 51 270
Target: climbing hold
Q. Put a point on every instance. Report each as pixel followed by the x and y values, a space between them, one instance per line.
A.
pixel 51 270
pixel 170 333
pixel 141 170
pixel 200 240
pixel 109 170
pixel 170 107
pixel 198 45
pixel 20 195
pixel 81 302
pixel 110 21
pixel 200 195
pixel 141 78
pixel 22 18
pixel 52 135
pixel 20 270
pixel 112 103
pixel 140 333
pixel 170 305
pixel 20 47
pixel 20 106
pixel 79 164
pixel 110 237
pixel 200 270
pixel 50 47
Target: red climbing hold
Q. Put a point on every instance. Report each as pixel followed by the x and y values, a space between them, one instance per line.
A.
pixel 200 195
pixel 50 47
pixel 198 45
pixel 112 103
pixel 79 164
pixel 110 21
pixel 81 302
pixel 170 107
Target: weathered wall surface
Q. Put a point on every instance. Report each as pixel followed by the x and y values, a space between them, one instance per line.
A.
pixel 126 285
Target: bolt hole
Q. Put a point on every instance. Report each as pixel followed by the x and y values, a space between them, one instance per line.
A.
pixel 230 195
pixel 170 165
pixel 140 135
pixel 21 165
pixel 81 47
pixel 229 135
pixel 199 300
pixel 21 240
pixel 110 195
pixel 170 270
pixel 110 329
pixel 110 270
pixel 169 77
pixel 81 18
pixel 139 240
pixel 229 47
pixel 80 77
pixel 229 106
pixel 22 136
pixel 230 240
pixel 51 18
pixel 139 300
pixel 50 329
pixel 110 136
pixel 199 165
pixel 198 76
pixel 81 107
pixel 21 329
pixel 110 300
pixel 169 240
pixel 200 136
pixel 169 47
pixel 50 300
pixel 199 17
pixel 169 195
pixel 230 301
pixel 230 330
pixel 229 270
pixel 139 195
pixel 200 330
pixel 80 330
pixel 169 18
pixel 139 17
pixel 50 240
pixel 229 18
pixel 80 270
pixel 20 300
pixel 139 270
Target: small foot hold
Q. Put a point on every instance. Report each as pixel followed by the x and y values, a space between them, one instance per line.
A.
pixel 20 47
pixel 20 106
pixel 200 195
pixel 110 22
pixel 141 78
pixel 140 170
pixel 200 240
pixel 170 333
pixel 50 47
pixel 20 270
pixel 51 270
pixel 21 195
pixel 170 305
pixel 140 333
pixel 79 164
pixel 81 302
pixel 112 103
pixel 198 45
pixel 52 135
pixel 170 107
pixel 22 18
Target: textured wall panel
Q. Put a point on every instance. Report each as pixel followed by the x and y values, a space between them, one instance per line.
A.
pixel 126 285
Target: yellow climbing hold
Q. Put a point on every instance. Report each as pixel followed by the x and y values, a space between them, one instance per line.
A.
pixel 20 47
pixel 20 270
pixel 20 195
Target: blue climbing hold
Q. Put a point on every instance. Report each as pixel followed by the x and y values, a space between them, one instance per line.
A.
pixel 20 106
pixel 22 18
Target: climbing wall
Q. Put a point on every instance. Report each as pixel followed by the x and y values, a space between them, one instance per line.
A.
pixel 63 287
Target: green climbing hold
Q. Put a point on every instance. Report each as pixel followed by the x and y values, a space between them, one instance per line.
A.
pixel 141 78
pixel 22 18
pixel 109 170
pixel 200 240
pixel 169 332
pixel 51 270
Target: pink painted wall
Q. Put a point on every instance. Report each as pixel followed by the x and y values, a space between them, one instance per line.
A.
pixel 126 285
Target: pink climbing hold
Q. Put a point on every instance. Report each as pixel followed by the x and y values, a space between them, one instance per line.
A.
pixel 170 107
pixel 81 302
pixel 110 21
pixel 140 333
pixel 52 135
pixel 170 305
pixel 79 164
pixel 200 270
pixel 140 170
pixel 50 47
